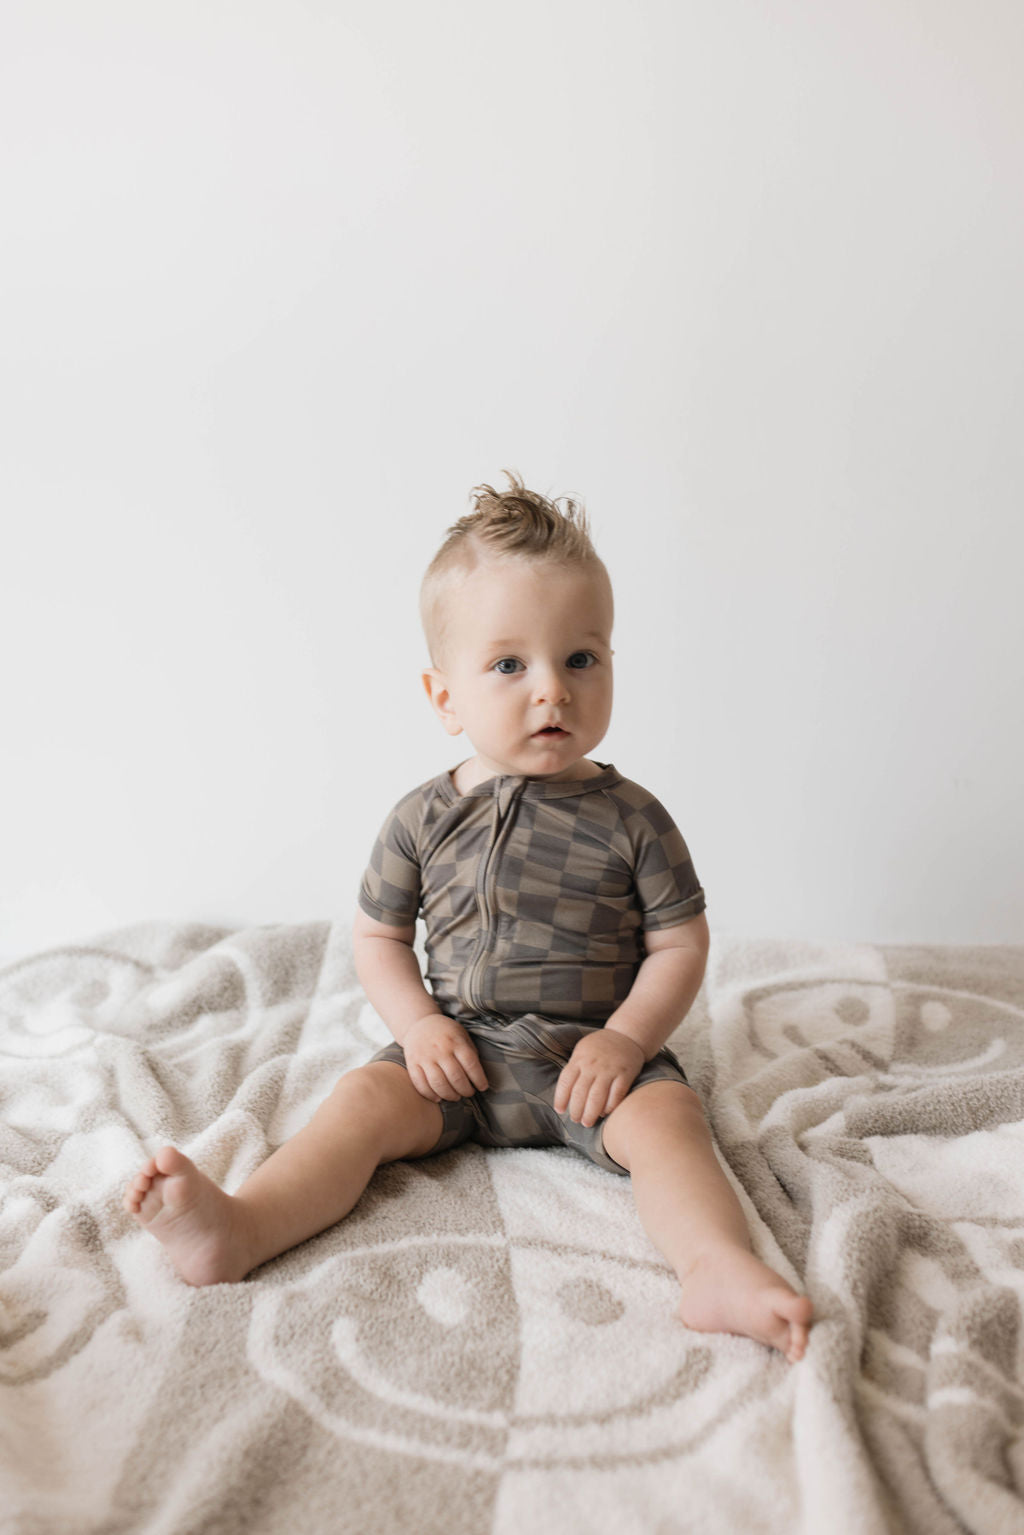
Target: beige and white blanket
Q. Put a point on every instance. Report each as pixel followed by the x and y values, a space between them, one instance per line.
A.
pixel 488 1343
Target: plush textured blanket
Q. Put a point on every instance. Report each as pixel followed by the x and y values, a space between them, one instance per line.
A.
pixel 488 1343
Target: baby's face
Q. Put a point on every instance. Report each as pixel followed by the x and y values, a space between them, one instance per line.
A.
pixel 529 647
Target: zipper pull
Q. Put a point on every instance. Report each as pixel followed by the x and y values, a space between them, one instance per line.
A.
pixel 506 790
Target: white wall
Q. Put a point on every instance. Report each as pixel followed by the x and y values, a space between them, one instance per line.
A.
pixel 281 283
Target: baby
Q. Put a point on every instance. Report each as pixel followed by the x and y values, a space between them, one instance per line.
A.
pixel 565 936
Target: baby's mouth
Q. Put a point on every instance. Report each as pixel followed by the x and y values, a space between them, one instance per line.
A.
pixel 551 730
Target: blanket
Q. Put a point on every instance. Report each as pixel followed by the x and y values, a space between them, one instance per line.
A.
pixel 488 1343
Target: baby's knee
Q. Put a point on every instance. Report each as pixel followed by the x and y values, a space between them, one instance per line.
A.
pixel 650 1113
pixel 673 1107
pixel 379 1088
pixel 379 1102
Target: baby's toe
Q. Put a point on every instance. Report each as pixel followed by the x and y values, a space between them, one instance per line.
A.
pixel 139 1187
pixel 798 1335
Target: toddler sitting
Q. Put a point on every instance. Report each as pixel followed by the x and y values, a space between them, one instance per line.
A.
pixel 565 937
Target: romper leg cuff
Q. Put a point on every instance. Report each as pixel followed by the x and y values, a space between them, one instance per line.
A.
pixel 458 1120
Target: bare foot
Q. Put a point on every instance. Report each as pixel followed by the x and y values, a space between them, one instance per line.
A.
pixel 195 1220
pixel 731 1290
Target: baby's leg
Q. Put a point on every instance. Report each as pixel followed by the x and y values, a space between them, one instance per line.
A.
pixel 373 1115
pixel 692 1215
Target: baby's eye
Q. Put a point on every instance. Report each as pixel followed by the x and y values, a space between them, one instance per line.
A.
pixel 506 666
pixel 584 658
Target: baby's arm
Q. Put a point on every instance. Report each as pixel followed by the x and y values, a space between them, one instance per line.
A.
pixel 439 1054
pixel 604 1065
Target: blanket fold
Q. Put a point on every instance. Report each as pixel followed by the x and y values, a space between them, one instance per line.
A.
pixel 488 1342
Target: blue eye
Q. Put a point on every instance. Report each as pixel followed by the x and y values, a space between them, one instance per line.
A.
pixel 586 657
pixel 506 661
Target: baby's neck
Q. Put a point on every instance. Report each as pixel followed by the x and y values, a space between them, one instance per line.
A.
pixel 471 772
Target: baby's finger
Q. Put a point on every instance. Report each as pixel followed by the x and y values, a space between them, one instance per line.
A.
pixel 580 1094
pixel 564 1087
pixel 616 1094
pixel 599 1102
pixel 473 1067
pixel 458 1079
pixel 439 1082
pixel 420 1083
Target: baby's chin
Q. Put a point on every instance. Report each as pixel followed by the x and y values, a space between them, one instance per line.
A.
pixel 580 768
pixel 554 760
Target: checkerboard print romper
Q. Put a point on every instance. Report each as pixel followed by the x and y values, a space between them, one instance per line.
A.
pixel 534 897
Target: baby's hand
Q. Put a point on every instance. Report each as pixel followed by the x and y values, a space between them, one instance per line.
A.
pixel 441 1059
pixel 598 1075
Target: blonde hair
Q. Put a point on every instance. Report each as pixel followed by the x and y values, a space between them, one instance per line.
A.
pixel 516 524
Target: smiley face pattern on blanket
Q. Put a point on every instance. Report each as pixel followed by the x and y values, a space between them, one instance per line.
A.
pixel 488 1342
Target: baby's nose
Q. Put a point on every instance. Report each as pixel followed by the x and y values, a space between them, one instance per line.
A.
pixel 551 686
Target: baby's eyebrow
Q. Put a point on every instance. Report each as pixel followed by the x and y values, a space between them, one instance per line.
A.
pixel 591 634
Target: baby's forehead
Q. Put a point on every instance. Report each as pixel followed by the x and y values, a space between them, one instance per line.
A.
pixel 507 600
pixel 508 588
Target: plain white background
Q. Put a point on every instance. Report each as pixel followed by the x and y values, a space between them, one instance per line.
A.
pixel 283 282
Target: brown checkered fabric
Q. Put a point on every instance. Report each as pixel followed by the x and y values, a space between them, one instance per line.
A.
pixel 523 1061
pixel 534 895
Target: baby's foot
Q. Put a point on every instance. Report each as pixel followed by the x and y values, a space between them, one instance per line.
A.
pixel 195 1220
pixel 730 1290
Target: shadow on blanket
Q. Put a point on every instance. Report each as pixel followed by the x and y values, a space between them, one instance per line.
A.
pixel 488 1342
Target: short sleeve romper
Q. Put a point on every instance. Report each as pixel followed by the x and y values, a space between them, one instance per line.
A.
pixel 534 896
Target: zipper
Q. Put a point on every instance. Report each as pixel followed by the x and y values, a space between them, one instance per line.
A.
pixel 485 882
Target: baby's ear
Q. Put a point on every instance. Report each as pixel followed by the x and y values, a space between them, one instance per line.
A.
pixel 436 686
